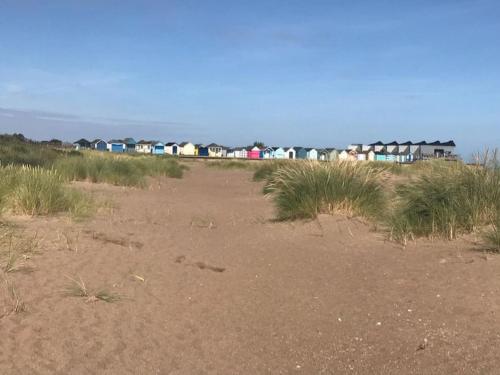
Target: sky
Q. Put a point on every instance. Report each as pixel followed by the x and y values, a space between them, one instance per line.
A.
pixel 309 73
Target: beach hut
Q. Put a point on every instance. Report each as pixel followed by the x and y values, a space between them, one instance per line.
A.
pixel 416 150
pixel 171 148
pixel 99 145
pixel 380 156
pixel 322 154
pixel 392 148
pixel 332 154
pixel 300 153
pixel 202 150
pixel 278 153
pixel 404 152
pixel 290 153
pixel 158 148
pixel 81 144
pixel 358 147
pixel 240 153
pixel 370 155
pixel 230 153
pixel 378 146
pixel 129 144
pixel 311 154
pixel 404 148
pixel 350 155
pixel 361 156
pixel 253 153
pixel 187 148
pixel 116 145
pixel 214 150
pixel 268 153
pixel 197 149
pixel 143 147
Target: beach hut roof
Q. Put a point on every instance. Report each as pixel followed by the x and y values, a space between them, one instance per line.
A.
pixel 82 140
pixel 449 143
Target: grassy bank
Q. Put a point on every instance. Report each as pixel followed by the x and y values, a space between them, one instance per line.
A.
pixel 305 189
pixel 16 152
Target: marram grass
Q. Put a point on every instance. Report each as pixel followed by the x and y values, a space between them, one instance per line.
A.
pixel 306 189
pixel 446 200
pixel 38 191
pixel 120 170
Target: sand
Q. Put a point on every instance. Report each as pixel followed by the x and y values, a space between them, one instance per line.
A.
pixel 211 285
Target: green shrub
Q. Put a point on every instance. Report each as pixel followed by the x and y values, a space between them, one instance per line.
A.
pixel 445 200
pixel 305 189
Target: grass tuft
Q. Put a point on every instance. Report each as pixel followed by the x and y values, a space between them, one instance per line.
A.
pixel 266 169
pixel 17 303
pixel 78 288
pixel 446 200
pixel 36 191
pixel 306 189
pixel 491 236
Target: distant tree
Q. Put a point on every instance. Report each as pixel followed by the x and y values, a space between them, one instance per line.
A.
pixel 259 144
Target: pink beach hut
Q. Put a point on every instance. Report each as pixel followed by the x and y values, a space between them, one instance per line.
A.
pixel 254 153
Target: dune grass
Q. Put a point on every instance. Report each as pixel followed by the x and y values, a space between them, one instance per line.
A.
pixel 121 170
pixel 491 236
pixel 265 170
pixel 231 164
pixel 18 153
pixel 305 189
pixel 446 200
pixel 38 191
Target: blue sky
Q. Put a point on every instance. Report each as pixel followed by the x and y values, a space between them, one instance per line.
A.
pixel 311 73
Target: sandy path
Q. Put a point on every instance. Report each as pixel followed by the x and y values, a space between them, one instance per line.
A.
pixel 324 297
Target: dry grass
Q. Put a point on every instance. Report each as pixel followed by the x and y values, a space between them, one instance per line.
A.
pixel 17 304
pixel 15 249
pixel 491 236
pixel 78 288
